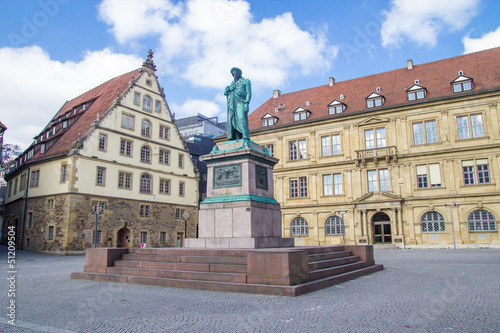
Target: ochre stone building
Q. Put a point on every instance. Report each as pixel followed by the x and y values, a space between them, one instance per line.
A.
pixel 114 149
pixel 409 157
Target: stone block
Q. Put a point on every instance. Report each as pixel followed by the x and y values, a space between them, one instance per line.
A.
pixel 242 219
pixel 364 252
pixel 217 243
pixel 207 223
pixel 99 259
pixel 195 242
pixel 278 267
pixel 224 223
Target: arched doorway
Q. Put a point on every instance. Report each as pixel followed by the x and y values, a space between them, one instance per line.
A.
pixel 123 238
pixel 382 233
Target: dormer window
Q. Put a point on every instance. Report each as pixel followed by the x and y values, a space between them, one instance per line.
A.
pixel 42 148
pixel 269 120
pixel 461 83
pixel 65 124
pixel 374 100
pixel 336 107
pixel 301 114
pixel 416 92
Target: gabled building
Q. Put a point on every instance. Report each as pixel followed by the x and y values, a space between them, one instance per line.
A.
pixel 113 152
pixel 409 157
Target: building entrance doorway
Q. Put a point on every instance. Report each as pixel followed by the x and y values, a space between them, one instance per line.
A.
pixel 382 233
pixel 123 237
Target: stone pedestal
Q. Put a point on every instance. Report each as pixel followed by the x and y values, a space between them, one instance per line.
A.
pixel 240 210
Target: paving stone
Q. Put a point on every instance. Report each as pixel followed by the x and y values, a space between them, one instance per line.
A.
pixel 418 291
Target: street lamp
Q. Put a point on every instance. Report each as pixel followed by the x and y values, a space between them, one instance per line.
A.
pixel 452 223
pixel 97 210
pixel 343 225
pixel 185 217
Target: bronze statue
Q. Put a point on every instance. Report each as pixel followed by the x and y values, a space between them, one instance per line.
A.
pixel 238 97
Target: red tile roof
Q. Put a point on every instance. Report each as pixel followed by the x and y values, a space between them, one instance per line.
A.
pixel 103 97
pixel 483 67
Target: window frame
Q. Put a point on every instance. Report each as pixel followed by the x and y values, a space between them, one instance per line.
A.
pixel 164 132
pixel 147 103
pixel 146 184
pixel 164 156
pixel 428 134
pixel 146 154
pixel 129 121
pixel 470 131
pixel 298 187
pixel 63 173
pixel 331 145
pixel 425 222
pixel 100 178
pixel 124 178
pixel 126 147
pixel 182 188
pixel 374 178
pixel 334 226
pixel 165 186
pixel 146 128
pixel 299 227
pixel 488 224
pixel 471 173
pixel 144 211
pixel 377 142
pixel 297 149
pixel 332 186
pixel 103 142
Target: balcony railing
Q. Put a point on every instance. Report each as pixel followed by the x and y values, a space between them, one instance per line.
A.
pixel 376 154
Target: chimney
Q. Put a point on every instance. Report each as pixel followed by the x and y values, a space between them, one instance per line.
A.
pixel 410 64
pixel 331 81
pixel 276 93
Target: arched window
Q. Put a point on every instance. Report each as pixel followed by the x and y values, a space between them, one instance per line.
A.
pixel 145 154
pixel 432 222
pixel 482 220
pixel 146 128
pixel 146 103
pixel 333 225
pixel 298 227
pixel 145 183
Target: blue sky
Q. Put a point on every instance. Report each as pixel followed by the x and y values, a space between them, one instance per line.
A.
pixel 54 50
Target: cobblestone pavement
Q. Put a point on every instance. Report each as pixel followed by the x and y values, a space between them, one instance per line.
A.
pixel 418 291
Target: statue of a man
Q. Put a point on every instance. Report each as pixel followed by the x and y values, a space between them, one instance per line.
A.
pixel 238 96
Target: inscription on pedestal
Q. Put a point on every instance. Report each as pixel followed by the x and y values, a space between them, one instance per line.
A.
pixel 260 177
pixel 227 175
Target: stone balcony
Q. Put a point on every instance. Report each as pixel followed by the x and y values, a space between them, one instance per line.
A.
pixel 376 154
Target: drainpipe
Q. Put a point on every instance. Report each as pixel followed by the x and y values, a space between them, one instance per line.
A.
pixel 25 207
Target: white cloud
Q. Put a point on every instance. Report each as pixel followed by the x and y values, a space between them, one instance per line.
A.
pixel 195 106
pixel 34 86
pixel 422 21
pixel 202 39
pixel 486 41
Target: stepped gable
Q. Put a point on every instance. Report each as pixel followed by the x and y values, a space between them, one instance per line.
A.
pixel 103 97
pixel 435 76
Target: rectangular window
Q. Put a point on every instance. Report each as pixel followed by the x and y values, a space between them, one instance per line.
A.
pixel 125 147
pixel 137 98
pixel 270 149
pixel 98 206
pixel 384 179
pixel 164 157
pixel 471 167
pixel 334 188
pixel 102 142
pixel 297 149
pixel 179 213
pixel 35 177
pixel 22 183
pixel 144 211
pixel 163 237
pixel 15 186
pixel 422 181
pixel 63 173
pixel 157 106
pixel 96 239
pixel 30 220
pixel 327 185
pixel 181 161
pixel 181 189
pixel 330 145
pixel 375 138
pixel 125 180
pixel 337 184
pixel 164 132
pixel 51 232
pixel 165 186
pixel 424 134
pixel 298 187
pixel 127 121
pixel 144 237
pixel 100 176
pixel 50 203
pixel 378 180
pixel 470 126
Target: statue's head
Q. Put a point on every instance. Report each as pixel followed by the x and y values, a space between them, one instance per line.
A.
pixel 236 72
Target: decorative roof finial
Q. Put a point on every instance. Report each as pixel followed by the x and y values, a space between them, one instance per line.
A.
pixel 149 61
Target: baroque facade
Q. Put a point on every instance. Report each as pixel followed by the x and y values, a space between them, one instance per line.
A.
pixel 113 154
pixel 409 157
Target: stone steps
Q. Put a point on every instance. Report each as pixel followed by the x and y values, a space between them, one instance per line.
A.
pixel 230 270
